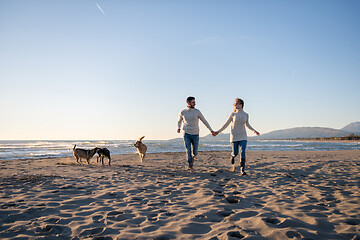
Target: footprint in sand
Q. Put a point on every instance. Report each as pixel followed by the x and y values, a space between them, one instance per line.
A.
pixel 293 234
pixel 91 232
pixel 150 229
pixel 245 214
pixel 235 234
pixel 225 212
pixel 102 238
pixel 119 216
pixel 52 229
pixel 152 217
pixel 271 220
pixel 164 237
pixel 232 199
pixel 96 218
pixel 353 221
pixel 211 216
pixel 195 228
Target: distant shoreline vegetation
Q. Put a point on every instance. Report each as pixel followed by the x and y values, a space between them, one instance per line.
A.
pixel 350 137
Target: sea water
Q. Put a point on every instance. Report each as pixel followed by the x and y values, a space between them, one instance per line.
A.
pixel 50 149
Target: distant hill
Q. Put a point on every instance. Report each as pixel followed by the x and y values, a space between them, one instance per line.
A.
pixel 302 132
pixel 221 136
pixel 353 128
pixel 299 132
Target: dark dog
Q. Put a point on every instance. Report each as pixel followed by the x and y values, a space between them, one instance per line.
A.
pixel 103 152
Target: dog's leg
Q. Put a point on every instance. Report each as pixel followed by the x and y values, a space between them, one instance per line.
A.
pixel 109 161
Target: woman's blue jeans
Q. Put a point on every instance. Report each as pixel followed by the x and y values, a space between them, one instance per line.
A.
pixel 191 145
pixel 235 148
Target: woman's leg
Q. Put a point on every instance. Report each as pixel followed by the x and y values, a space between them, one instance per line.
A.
pixel 234 153
pixel 243 145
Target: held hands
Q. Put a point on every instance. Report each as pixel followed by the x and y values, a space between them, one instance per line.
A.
pixel 178 131
pixel 215 133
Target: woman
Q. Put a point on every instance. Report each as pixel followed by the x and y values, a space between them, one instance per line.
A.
pixel 238 136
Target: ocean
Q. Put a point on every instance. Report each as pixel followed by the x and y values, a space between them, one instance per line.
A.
pixel 50 149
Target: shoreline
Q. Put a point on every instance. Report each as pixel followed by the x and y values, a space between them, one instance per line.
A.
pixel 326 140
pixel 181 152
pixel 286 195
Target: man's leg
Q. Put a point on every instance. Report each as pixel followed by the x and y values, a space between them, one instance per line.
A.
pixel 243 145
pixel 195 142
pixel 187 143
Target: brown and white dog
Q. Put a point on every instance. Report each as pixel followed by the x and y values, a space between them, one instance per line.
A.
pixel 103 152
pixel 83 153
pixel 141 148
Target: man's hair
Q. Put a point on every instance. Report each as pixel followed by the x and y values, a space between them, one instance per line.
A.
pixel 189 99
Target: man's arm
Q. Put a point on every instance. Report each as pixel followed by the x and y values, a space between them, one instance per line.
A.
pixel 202 118
pixel 179 123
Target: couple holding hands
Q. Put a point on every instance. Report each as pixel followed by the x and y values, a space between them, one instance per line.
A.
pixel 190 116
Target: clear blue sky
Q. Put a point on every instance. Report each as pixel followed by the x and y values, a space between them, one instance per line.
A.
pixel 70 71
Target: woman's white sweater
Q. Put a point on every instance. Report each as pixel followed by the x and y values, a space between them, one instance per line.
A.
pixel 239 120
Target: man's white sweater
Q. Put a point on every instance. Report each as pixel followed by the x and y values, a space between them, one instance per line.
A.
pixel 190 117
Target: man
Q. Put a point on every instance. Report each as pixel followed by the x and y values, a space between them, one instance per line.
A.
pixel 190 116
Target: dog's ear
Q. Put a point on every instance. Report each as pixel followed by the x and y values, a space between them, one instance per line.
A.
pixel 141 138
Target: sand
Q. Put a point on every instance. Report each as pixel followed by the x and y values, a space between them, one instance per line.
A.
pixel 286 195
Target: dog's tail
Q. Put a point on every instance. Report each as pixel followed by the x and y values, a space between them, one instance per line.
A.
pixel 74 147
pixel 141 138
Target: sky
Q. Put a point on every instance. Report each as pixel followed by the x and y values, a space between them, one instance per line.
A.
pixel 118 70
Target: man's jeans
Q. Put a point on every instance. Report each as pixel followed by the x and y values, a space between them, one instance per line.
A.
pixel 236 146
pixel 191 140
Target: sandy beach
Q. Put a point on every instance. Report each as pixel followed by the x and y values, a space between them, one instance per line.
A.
pixel 286 195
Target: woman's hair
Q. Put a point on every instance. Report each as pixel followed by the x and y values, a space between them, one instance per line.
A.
pixel 240 101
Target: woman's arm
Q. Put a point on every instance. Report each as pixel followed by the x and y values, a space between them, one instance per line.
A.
pixel 250 127
pixel 227 123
